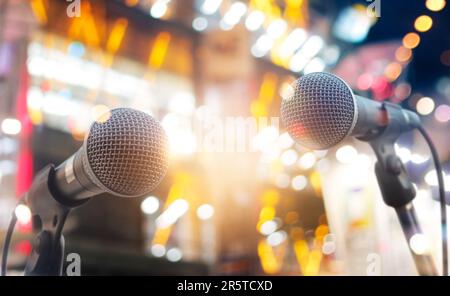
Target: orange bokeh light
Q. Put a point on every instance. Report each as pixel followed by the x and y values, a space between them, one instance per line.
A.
pixel 411 40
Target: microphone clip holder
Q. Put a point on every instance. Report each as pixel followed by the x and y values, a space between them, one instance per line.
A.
pixel 396 187
pixel 49 213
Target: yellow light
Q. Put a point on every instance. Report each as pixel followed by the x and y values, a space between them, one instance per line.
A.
pixel 411 40
pixel 267 213
pixel 270 197
pixel 321 231
pixel 393 71
pixel 266 94
pixel 423 23
pixel 425 106
pixel 313 267
pixel 116 37
pixel 301 250
pixel 296 12
pixel 159 50
pixel 291 217
pixel 101 113
pixel 39 11
pixel 403 54
pixel 435 5
pixel 267 257
pixel 85 26
pixel 131 3
pixel 176 191
pixel 316 183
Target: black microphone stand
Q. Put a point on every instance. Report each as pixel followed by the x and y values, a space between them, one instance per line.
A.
pixel 396 187
pixel 49 214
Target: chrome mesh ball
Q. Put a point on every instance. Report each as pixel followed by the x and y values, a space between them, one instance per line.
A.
pixel 127 152
pixel 320 110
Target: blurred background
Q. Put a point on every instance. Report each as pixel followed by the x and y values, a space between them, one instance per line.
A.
pixel 201 66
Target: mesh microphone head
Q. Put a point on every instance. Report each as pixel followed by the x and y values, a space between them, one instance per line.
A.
pixel 127 153
pixel 320 111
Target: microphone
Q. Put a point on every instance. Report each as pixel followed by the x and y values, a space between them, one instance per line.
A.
pixel 321 110
pixel 125 154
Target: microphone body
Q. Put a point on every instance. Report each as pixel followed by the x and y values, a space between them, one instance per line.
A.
pixel 74 180
pixel 373 117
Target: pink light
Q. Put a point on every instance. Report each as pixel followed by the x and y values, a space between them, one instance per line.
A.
pixel 364 81
pixel 381 88
pixel 442 113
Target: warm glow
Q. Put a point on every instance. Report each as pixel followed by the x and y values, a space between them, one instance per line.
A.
pixel 101 113
pixel 393 71
pixel 423 23
pixel 411 40
pixel 116 37
pixel 39 11
pixel 159 50
pixel 150 205
pixel 131 2
pixel 403 54
pixel 435 5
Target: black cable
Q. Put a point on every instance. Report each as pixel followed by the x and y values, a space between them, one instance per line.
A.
pixel 440 177
pixel 8 237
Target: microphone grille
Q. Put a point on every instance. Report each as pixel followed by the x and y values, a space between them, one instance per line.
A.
pixel 128 152
pixel 320 110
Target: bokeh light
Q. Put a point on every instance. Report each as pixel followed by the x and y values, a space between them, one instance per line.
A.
pixel 419 244
pixel 442 113
pixel 445 58
pixel 174 255
pixel 423 23
pixel 346 154
pixel 425 106
pixel 23 214
pixel 403 54
pixel 11 126
pixel 150 205
pixel 435 5
pixel 205 211
pixel 393 71
pixel 411 40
